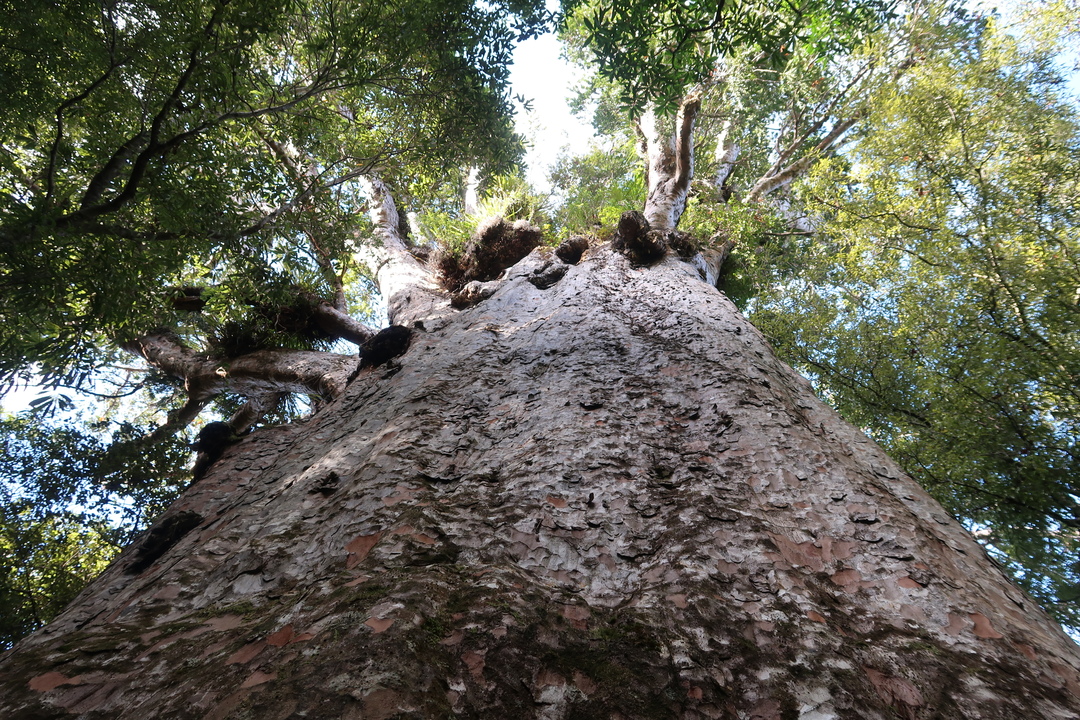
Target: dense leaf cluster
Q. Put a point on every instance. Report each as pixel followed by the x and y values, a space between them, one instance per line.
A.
pixel 938 305
pixel 653 52
pixel 69 500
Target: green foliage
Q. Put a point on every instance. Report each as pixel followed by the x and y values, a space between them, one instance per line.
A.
pixel 937 305
pixel 147 144
pixel 44 564
pixel 764 245
pixel 70 498
pixel 597 187
pixel 653 52
pixel 506 196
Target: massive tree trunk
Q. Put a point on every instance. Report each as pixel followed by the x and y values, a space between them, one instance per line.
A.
pixel 596 497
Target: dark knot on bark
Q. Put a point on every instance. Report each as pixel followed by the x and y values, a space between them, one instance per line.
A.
pixel 571 249
pixel 386 344
pixel 210 446
pixel 161 538
pixel 637 241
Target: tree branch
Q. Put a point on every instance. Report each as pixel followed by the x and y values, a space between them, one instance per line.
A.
pixel 178 420
pixel 669 164
pixel 726 156
pixel 253 410
pixel 258 375
pixel 770 183
pixel 339 324
pixel 411 289
pixel 50 173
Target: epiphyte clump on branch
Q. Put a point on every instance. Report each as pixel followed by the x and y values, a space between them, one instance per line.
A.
pixel 571 249
pixel 387 344
pixel 497 244
pixel 210 444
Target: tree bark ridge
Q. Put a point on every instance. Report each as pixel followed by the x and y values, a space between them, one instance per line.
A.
pixel 606 497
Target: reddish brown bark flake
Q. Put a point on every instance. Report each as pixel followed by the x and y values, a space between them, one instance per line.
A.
pixel 51 680
pixel 549 678
pixel 983 628
pixel 359 548
pixel 475 662
pixel 1027 650
pixel 382 704
pixel 246 654
pixel 282 637
pixel 844 578
pixel 379 624
pixel 804 554
pixel 584 683
pixel 258 678
pixel 766 710
pixel 956 625
pixel 896 691
pixel 556 501
pixel 575 612
pixel 225 622
pixel 678 600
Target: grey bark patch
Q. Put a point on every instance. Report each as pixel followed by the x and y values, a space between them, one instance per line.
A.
pixel 472 293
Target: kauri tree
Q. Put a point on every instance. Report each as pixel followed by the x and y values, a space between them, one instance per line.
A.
pixel 566 481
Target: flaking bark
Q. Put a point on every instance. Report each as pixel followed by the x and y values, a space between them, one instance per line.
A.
pixel 606 498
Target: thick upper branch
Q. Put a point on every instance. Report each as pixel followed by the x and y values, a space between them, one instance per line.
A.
pixel 670 164
pixel 255 375
pixel 411 289
pixel 773 181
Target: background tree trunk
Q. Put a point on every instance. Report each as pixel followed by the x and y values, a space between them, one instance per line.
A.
pixel 602 499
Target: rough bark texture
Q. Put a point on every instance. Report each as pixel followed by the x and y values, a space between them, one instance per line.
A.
pixel 600 499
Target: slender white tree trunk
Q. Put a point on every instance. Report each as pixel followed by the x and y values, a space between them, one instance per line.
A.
pixel 669 158
pixel 411 290
pixel 605 498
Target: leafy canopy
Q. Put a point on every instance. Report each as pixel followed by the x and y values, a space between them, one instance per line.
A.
pixel 146 144
pixel 655 51
pixel 937 303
